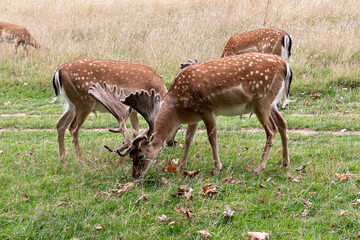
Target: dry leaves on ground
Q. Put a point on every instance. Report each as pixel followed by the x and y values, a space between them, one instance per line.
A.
pixel 295 179
pixel 262 185
pixel 65 203
pixel 302 167
pixel 210 189
pixel 204 233
pixel 183 191
pixel 26 197
pixel 192 174
pixel 142 197
pixel 232 180
pixel 169 167
pixel 163 218
pixel 258 235
pixel 187 212
pixel 228 213
pixel 99 227
pixel 306 203
pixel 341 177
pixel 342 212
pixel 305 213
pixel 125 187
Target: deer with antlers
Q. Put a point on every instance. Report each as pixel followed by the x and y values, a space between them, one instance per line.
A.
pixel 18 35
pixel 73 80
pixel 266 40
pixel 247 83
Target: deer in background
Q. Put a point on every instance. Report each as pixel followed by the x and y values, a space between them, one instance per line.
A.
pixel 266 40
pixel 72 80
pixel 227 86
pixel 18 35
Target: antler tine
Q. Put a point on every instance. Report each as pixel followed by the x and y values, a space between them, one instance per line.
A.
pixel 148 105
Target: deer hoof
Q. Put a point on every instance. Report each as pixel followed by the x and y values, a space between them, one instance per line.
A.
pixel 258 170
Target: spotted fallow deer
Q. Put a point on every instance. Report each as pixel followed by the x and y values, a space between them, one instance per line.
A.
pixel 266 40
pixel 72 80
pixel 18 35
pixel 227 86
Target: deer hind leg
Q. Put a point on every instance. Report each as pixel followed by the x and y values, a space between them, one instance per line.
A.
pixel 270 129
pixel 282 127
pixel 190 133
pixel 75 125
pixel 61 126
pixel 210 123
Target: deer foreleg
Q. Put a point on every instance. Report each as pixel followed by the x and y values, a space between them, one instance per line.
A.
pixel 190 133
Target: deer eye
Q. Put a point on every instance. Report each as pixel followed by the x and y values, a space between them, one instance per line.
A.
pixel 141 157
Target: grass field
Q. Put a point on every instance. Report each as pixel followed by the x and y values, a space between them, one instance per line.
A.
pixel 44 199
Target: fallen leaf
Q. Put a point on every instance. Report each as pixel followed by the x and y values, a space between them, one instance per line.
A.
pixel 64 203
pixel 74 238
pixel 191 174
pixel 210 189
pixel 343 212
pixel 315 95
pixel 1 151
pixel 183 210
pixel 338 101
pixel 99 227
pixel 358 237
pixel 272 183
pixel 164 181
pixel 279 191
pixel 303 93
pixel 30 154
pixel 7 103
pixel 163 218
pixel 181 146
pixel 184 192
pixel 175 161
pixel 267 180
pixel 306 203
pixel 305 213
pixel 232 180
pixel 341 177
pixel 295 179
pixel 258 235
pixel 104 193
pixel 228 213
pixel 172 222
pixel 204 233
pixel 245 149
pixel 26 197
pixel 261 200
pixel 16 163
pixel 302 167
pixel 343 130
pixel 261 185
pixel 307 103
pixel 142 197
pixel 170 167
pixel 125 187
pixel 146 215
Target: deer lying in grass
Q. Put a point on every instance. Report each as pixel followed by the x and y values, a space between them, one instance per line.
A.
pixel 18 35
pixel 228 86
pixel 267 40
pixel 73 80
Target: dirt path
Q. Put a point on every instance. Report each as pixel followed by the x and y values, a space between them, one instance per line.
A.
pixel 304 131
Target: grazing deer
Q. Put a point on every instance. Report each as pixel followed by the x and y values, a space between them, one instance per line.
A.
pixel 18 35
pixel 73 80
pixel 266 40
pixel 228 86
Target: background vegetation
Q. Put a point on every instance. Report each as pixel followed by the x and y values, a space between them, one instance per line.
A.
pixel 326 60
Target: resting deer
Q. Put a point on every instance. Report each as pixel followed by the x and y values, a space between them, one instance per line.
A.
pixel 18 35
pixel 73 80
pixel 266 40
pixel 247 83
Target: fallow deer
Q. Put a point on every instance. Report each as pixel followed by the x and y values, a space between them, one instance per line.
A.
pixel 18 35
pixel 73 80
pixel 266 40
pixel 247 83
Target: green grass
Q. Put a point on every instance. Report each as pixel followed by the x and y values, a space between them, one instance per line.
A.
pixel 47 184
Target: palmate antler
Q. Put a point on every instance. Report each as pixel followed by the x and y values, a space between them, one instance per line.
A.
pixel 188 63
pixel 111 100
